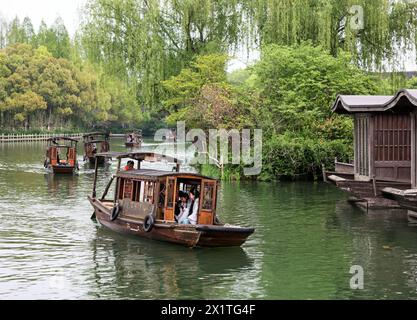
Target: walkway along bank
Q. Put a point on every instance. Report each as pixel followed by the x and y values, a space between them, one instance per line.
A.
pixel 385 147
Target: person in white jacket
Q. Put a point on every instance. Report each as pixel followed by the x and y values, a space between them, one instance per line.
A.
pixel 183 206
pixel 193 210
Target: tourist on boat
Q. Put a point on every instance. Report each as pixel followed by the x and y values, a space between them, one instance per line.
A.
pixel 130 166
pixel 105 146
pixel 183 204
pixel 194 197
pixel 192 211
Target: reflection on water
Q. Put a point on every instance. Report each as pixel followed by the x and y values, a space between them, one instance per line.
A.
pixel 307 238
pixel 143 268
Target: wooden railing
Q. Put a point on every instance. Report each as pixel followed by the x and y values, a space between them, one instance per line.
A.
pixel 35 137
pixel 344 167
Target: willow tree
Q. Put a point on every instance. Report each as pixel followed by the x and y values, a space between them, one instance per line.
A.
pixel 147 41
pixel 375 32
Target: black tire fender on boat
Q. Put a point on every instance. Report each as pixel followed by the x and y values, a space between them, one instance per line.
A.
pixel 148 223
pixel 115 212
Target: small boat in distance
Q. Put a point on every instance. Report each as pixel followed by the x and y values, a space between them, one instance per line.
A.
pixel 134 139
pixel 61 155
pixel 145 202
pixel 93 143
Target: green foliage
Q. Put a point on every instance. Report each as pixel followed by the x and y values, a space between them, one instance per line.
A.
pixel 290 155
pixel 299 84
pixel 183 90
pixel 201 96
pixel 288 94
pixel 389 27
pixel 148 41
pixel 37 89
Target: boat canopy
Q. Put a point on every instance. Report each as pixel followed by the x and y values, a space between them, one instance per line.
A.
pixel 151 174
pixel 63 138
pixel 140 156
pixel 95 134
pixel 95 141
pixel 138 132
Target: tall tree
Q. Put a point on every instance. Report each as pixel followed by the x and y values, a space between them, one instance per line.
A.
pixel 62 45
pixel 15 32
pixel 3 32
pixel 147 41
pixel 28 31
pixel 375 32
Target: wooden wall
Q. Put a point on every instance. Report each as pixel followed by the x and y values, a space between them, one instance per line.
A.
pixel 392 146
pixel 361 144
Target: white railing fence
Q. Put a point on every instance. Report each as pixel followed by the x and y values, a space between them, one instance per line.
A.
pixel 35 137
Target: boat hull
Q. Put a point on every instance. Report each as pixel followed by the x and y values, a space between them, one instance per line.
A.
pixel 62 169
pixel 100 160
pixel 406 201
pixel 187 235
pixel 132 145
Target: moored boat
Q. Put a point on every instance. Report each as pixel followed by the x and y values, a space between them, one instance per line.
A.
pixel 61 155
pixel 145 205
pixel 407 199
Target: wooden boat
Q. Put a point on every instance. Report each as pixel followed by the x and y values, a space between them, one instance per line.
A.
pixel 407 199
pixel 61 155
pixel 94 143
pixel 134 139
pixel 145 200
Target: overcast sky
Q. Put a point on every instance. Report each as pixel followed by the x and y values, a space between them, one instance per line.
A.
pixel 69 10
pixel 48 10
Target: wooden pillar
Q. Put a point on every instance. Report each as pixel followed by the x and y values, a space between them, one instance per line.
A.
pixel 371 146
pixel 413 150
pixel 355 143
pixel 95 178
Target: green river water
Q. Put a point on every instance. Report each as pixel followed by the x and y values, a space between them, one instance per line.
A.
pixel 307 238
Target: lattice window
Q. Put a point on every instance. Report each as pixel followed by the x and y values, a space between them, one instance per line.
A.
pixel 392 137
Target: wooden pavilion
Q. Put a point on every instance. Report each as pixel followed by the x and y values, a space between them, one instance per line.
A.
pixel 385 146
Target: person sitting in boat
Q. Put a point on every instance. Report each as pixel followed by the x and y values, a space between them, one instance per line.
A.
pixel 104 146
pixel 192 212
pixel 130 166
pixel 93 146
pixel 182 206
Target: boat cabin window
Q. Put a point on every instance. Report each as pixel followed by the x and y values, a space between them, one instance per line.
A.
pixel 187 184
pixel 137 191
pixel 162 190
pixel 127 190
pixel 208 196
pixel 170 196
pixel 148 191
